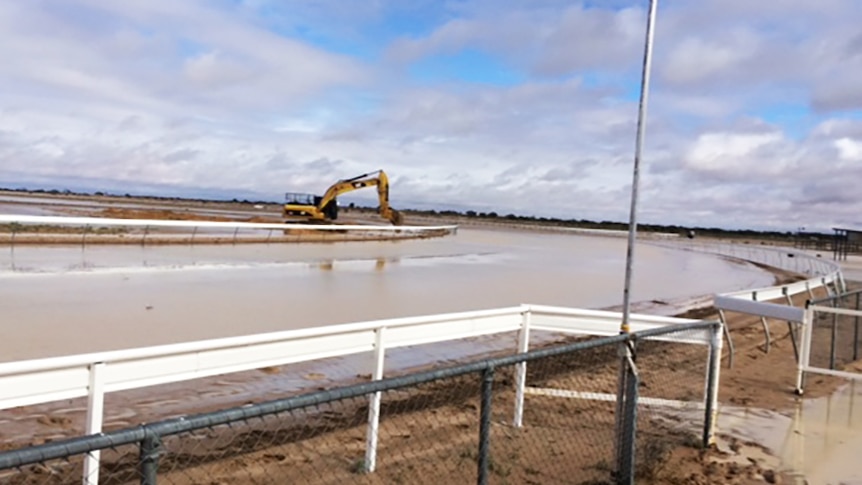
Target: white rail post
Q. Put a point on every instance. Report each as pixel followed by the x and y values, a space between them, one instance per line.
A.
pixel 807 330
pixel 95 411
pixel 826 286
pixel 521 369
pixel 374 403
pixel 713 377
pixel 764 323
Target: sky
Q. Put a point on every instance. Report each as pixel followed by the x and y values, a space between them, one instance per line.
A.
pixel 513 106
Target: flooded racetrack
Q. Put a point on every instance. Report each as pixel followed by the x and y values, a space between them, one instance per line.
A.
pixel 80 299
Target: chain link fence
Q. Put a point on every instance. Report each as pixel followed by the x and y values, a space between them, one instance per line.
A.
pixel 591 411
pixel 836 339
pixel 671 406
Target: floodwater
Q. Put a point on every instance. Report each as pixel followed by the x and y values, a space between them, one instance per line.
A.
pixel 819 441
pixel 68 300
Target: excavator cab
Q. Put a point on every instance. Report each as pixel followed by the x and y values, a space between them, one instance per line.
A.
pixel 309 206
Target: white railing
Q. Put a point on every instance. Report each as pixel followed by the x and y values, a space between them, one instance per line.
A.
pixel 94 375
pixel 822 273
pixel 236 226
pixel 762 301
pixel 808 320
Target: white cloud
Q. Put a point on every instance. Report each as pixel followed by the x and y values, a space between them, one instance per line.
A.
pixel 849 149
pixel 268 97
pixel 696 59
pixel 729 152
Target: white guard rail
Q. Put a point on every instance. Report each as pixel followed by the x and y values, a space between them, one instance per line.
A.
pixel 823 274
pixel 43 380
pixel 93 375
pixel 99 221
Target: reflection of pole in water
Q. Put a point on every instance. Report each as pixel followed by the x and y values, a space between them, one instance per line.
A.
pixel 14 228
pixel 828 419
pixel 798 462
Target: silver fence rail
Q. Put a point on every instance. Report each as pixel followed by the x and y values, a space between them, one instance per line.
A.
pixel 454 424
pixel 831 337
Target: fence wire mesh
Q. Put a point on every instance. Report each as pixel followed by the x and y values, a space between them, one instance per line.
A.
pixel 430 428
pixel 569 417
pixel 118 465
pixel 671 406
pixel 836 340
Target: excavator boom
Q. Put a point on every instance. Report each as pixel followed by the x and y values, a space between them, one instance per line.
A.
pixel 325 208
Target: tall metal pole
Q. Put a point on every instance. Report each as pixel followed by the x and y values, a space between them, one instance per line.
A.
pixel 642 110
pixel 622 438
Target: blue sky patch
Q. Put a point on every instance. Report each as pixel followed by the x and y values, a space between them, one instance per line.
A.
pixel 469 65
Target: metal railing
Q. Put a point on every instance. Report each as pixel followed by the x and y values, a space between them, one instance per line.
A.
pixel 763 302
pixel 173 451
pixel 94 375
pixel 831 337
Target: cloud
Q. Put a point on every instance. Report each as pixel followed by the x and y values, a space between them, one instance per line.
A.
pixel 694 59
pixel 754 117
pixel 731 153
pixel 849 149
pixel 547 42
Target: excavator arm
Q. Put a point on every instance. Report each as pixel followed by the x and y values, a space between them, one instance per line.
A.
pixel 326 208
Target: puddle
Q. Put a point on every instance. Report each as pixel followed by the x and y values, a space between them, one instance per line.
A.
pixel 818 442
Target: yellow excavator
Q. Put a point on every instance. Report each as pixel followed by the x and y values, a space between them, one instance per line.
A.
pixel 324 208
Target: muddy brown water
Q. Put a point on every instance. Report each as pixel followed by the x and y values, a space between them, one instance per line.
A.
pixel 68 300
pixel 817 442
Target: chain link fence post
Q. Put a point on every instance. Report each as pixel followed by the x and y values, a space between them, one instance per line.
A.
pixel 149 458
pixel 627 401
pixel 856 331
pixel 485 425
pixel 834 333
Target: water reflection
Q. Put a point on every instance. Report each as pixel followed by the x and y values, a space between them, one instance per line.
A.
pixel 817 442
pixel 824 439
